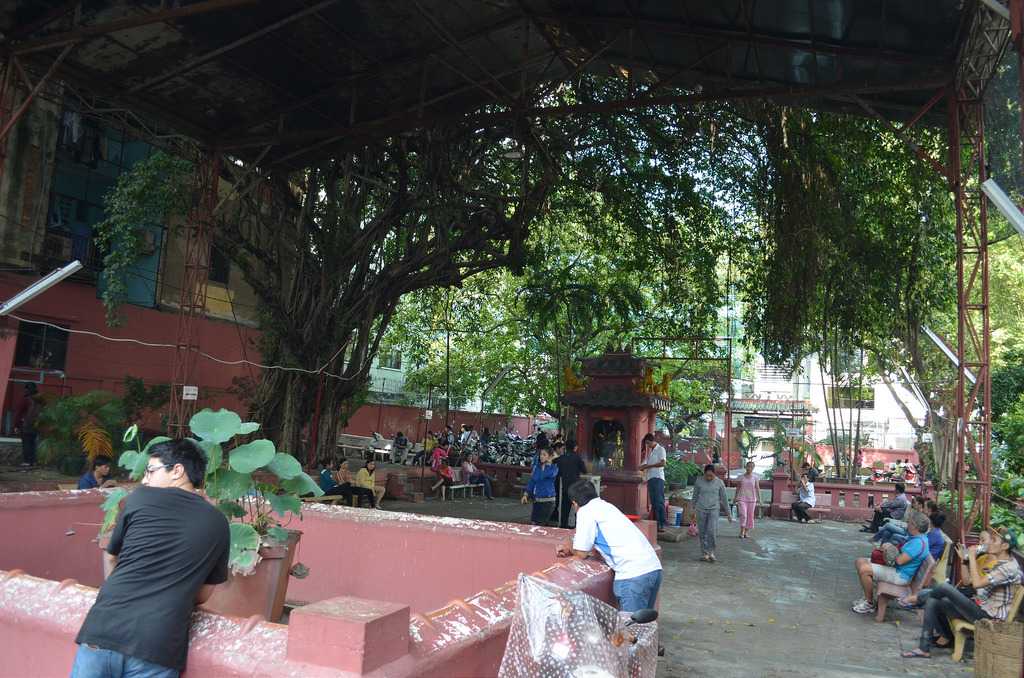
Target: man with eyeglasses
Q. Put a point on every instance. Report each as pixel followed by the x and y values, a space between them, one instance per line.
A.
pixel 167 551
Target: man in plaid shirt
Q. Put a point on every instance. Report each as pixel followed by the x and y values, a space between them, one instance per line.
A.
pixel 993 593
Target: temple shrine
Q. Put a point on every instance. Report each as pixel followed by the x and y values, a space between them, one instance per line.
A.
pixel 616 405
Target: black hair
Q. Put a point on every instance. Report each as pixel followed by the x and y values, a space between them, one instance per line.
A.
pixel 649 438
pixel 570 445
pixel 581 492
pixel 933 506
pixel 30 388
pixel 367 463
pixel 900 488
pixel 101 460
pixel 938 519
pixel 186 453
pixel 709 467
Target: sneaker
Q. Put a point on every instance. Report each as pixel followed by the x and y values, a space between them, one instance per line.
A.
pixel 711 557
pixel 864 607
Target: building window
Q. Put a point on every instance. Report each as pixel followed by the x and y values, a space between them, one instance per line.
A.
pixel 220 267
pixel 41 347
pixel 390 360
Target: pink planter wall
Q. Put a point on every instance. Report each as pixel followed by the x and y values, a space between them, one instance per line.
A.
pixel 448 583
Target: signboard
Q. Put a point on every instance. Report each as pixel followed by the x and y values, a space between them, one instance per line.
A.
pixel 428 414
pixel 190 393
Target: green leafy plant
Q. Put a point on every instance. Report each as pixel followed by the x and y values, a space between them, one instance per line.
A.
pixel 149 194
pixel 67 423
pixel 253 484
pixel 677 471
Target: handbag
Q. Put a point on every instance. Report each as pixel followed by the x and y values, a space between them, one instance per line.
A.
pixel 692 530
pixel 877 557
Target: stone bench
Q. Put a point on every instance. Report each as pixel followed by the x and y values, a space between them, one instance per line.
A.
pixel 458 485
pixel 822 503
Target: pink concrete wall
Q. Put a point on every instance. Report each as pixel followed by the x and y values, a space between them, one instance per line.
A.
pixel 421 561
pixel 459 574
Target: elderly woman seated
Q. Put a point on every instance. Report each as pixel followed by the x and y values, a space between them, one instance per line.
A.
pixel 993 593
pixel 912 554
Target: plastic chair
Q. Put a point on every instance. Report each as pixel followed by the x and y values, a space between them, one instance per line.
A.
pixel 961 628
pixel 940 575
pixel 885 591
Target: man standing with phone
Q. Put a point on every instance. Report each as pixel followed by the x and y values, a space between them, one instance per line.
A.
pixel 653 467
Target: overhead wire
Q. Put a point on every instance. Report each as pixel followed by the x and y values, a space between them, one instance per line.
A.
pixel 233 363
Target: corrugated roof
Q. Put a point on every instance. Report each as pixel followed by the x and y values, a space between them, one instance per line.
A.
pixel 306 74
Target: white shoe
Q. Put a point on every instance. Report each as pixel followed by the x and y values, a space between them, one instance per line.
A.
pixel 864 607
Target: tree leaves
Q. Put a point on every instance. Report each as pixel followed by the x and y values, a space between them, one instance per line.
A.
pixel 284 466
pixel 228 484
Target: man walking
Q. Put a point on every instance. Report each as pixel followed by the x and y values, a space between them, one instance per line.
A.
pixel 167 551
pixel 708 498
pixel 601 526
pixel 654 472
pixel 25 425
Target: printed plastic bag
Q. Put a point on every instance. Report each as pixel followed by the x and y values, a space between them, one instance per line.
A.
pixel 559 633
pixel 692 530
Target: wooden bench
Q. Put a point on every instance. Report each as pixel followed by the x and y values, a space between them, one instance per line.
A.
pixel 458 485
pixel 822 502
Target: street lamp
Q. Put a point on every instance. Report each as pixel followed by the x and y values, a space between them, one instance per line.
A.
pixel 39 286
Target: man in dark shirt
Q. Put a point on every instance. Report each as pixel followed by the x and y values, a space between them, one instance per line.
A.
pixel 167 551
pixel 570 468
pixel 97 477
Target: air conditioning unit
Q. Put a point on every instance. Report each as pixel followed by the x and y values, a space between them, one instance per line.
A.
pixel 56 246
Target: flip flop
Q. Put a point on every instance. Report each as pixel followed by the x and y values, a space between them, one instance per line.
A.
pixel 915 654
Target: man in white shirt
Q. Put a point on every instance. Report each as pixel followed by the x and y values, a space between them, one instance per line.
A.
pixel 654 473
pixel 601 526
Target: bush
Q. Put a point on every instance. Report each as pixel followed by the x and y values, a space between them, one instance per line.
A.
pixel 677 471
pixel 73 428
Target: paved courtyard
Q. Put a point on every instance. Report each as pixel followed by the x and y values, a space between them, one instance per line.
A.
pixel 775 605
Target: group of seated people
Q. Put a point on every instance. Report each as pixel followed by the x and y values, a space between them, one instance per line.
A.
pixel 336 479
pixel 903 545
pixel 471 472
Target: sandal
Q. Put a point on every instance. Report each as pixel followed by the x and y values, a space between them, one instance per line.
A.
pixel 916 653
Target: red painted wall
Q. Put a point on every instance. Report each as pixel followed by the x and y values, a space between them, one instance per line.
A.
pixel 389 419
pixel 93 363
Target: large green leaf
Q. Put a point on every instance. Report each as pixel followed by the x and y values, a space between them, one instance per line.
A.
pixel 228 484
pixel 284 466
pixel 302 485
pixel 282 503
pixel 214 455
pixel 156 440
pixel 231 509
pixel 243 562
pixel 112 507
pixel 278 534
pixel 243 538
pixel 248 427
pixel 218 427
pixel 251 456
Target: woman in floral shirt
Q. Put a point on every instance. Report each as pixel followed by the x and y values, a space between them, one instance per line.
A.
pixel 993 593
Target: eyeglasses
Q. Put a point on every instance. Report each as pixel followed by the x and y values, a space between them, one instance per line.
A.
pixel 153 469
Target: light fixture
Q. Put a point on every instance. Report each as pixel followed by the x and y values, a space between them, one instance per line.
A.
pixel 1002 201
pixel 948 352
pixel 40 286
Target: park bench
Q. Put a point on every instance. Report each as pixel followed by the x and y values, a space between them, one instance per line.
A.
pixel 459 485
pixel 333 500
pixel 822 503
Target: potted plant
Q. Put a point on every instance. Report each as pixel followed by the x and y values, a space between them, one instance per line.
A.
pixel 679 473
pixel 258 489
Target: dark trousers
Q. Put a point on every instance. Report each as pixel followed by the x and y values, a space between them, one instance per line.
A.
pixel 800 511
pixel 347 490
pixel 564 508
pixel 485 481
pixel 28 448
pixel 879 518
pixel 945 603
pixel 656 493
pixel 541 512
